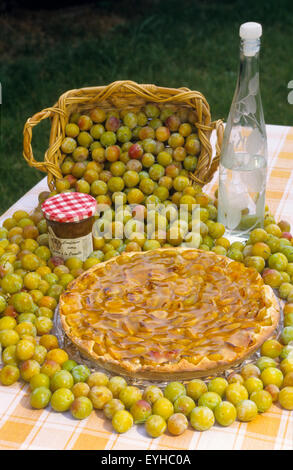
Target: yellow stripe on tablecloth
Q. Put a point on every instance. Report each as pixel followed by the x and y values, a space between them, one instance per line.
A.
pixel 287 435
pixel 96 429
pixel 285 207
pixel 16 397
pixel 12 431
pixel 83 432
pixel 11 446
pixel 278 183
pixel 89 442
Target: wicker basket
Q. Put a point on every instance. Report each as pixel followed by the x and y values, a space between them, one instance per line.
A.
pixel 118 95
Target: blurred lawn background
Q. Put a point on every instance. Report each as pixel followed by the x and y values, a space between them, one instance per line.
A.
pixel 191 43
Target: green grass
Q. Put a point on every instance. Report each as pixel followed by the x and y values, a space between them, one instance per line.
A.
pixel 170 43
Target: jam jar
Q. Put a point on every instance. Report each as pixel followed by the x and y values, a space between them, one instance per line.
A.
pixel 70 218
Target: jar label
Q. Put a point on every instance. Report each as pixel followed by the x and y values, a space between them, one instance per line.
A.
pixel 79 247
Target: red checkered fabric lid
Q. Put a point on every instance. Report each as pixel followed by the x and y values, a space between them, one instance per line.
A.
pixel 69 207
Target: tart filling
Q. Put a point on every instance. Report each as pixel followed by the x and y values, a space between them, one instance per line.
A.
pixel 168 313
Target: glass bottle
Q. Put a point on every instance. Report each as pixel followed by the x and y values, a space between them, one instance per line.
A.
pixel 243 163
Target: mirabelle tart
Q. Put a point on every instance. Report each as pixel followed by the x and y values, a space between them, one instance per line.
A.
pixel 173 313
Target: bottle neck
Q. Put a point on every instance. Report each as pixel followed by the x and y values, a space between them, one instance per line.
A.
pixel 249 47
pixel 246 113
pixel 248 79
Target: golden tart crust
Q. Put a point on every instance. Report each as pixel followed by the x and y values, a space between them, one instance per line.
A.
pixel 170 313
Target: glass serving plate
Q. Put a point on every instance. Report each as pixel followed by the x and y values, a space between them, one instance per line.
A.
pixel 75 354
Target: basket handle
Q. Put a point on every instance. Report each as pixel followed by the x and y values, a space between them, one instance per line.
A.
pixel 207 159
pixel 49 165
pixel 219 127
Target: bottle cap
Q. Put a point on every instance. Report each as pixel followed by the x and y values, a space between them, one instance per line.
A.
pixel 250 30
